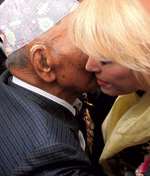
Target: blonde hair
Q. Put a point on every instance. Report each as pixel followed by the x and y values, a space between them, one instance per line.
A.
pixel 115 29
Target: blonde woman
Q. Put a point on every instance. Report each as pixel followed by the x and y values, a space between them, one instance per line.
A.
pixel 116 36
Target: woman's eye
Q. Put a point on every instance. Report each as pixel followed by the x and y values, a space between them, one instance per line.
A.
pixel 105 62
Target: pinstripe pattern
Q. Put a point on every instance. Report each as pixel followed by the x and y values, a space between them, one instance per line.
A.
pixel 37 136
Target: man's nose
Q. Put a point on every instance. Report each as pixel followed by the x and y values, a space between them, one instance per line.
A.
pixel 92 65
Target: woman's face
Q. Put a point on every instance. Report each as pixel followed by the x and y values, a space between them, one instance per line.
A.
pixel 112 78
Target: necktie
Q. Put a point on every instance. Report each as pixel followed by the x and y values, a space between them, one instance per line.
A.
pixel 82 107
pixel 88 123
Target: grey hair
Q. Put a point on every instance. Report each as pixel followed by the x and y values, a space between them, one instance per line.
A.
pixel 18 58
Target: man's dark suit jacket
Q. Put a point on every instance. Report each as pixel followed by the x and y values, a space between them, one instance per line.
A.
pixel 38 137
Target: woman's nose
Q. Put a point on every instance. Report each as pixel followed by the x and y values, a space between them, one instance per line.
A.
pixel 92 65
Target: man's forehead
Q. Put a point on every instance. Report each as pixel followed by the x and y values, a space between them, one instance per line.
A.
pixel 60 41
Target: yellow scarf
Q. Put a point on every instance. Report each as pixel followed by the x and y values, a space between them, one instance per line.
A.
pixel 127 124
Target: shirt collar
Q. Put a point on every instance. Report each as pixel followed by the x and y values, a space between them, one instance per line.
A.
pixel 44 94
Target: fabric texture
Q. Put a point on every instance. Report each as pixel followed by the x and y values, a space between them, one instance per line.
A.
pixel 37 136
pixel 125 129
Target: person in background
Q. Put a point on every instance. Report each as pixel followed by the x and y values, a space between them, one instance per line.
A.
pixel 115 34
pixel 39 133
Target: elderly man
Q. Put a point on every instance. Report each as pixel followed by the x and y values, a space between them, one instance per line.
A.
pixel 39 133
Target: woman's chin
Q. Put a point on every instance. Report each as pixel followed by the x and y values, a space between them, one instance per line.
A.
pixel 109 92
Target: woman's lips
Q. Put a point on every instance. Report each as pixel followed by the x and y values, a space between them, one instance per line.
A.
pixel 102 83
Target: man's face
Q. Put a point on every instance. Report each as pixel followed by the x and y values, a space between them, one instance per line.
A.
pixel 69 62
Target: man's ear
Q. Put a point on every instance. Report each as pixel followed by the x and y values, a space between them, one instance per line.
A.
pixel 42 61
